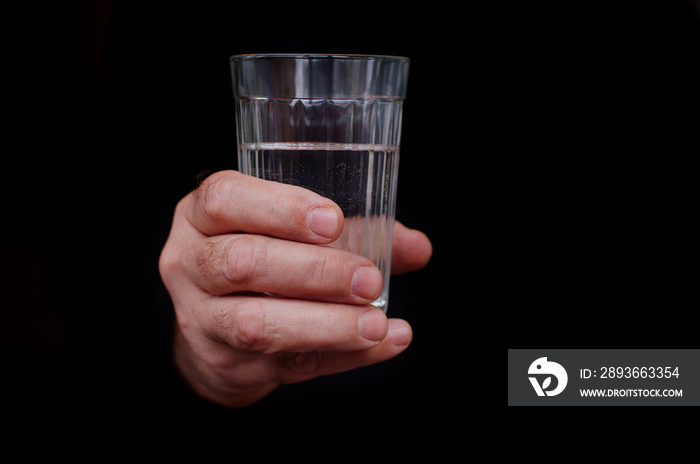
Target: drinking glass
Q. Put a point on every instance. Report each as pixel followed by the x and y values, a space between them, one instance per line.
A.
pixel 330 124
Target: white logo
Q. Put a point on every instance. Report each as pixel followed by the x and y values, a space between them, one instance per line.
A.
pixel 546 370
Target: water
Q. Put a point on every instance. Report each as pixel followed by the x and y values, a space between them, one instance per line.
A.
pixel 360 178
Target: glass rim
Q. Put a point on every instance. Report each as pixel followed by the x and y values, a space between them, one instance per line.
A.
pixel 332 56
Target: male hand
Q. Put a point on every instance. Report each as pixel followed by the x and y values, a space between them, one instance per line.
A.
pixel 259 303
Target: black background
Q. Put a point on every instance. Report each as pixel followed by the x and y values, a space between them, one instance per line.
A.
pixel 546 151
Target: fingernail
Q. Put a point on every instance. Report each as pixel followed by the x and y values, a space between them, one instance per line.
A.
pixel 373 325
pixel 323 221
pixel 367 283
pixel 400 333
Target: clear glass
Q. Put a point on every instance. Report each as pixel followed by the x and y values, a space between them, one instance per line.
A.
pixel 331 124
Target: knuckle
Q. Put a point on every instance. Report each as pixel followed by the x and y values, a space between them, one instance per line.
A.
pixel 246 327
pixel 214 196
pixel 292 207
pixel 243 257
pixel 206 256
pixel 320 264
pixel 168 262
pixel 170 259
pixel 331 271
pixel 233 262
pixel 295 367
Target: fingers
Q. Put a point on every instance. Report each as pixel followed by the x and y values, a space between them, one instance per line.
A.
pixel 302 340
pixel 297 367
pixel 258 303
pixel 272 325
pixel 254 263
pixel 411 249
pixel 233 374
pixel 229 202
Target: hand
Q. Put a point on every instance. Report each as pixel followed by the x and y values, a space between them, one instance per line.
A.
pixel 258 303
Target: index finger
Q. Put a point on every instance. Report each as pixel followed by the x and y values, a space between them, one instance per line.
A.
pixel 231 202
